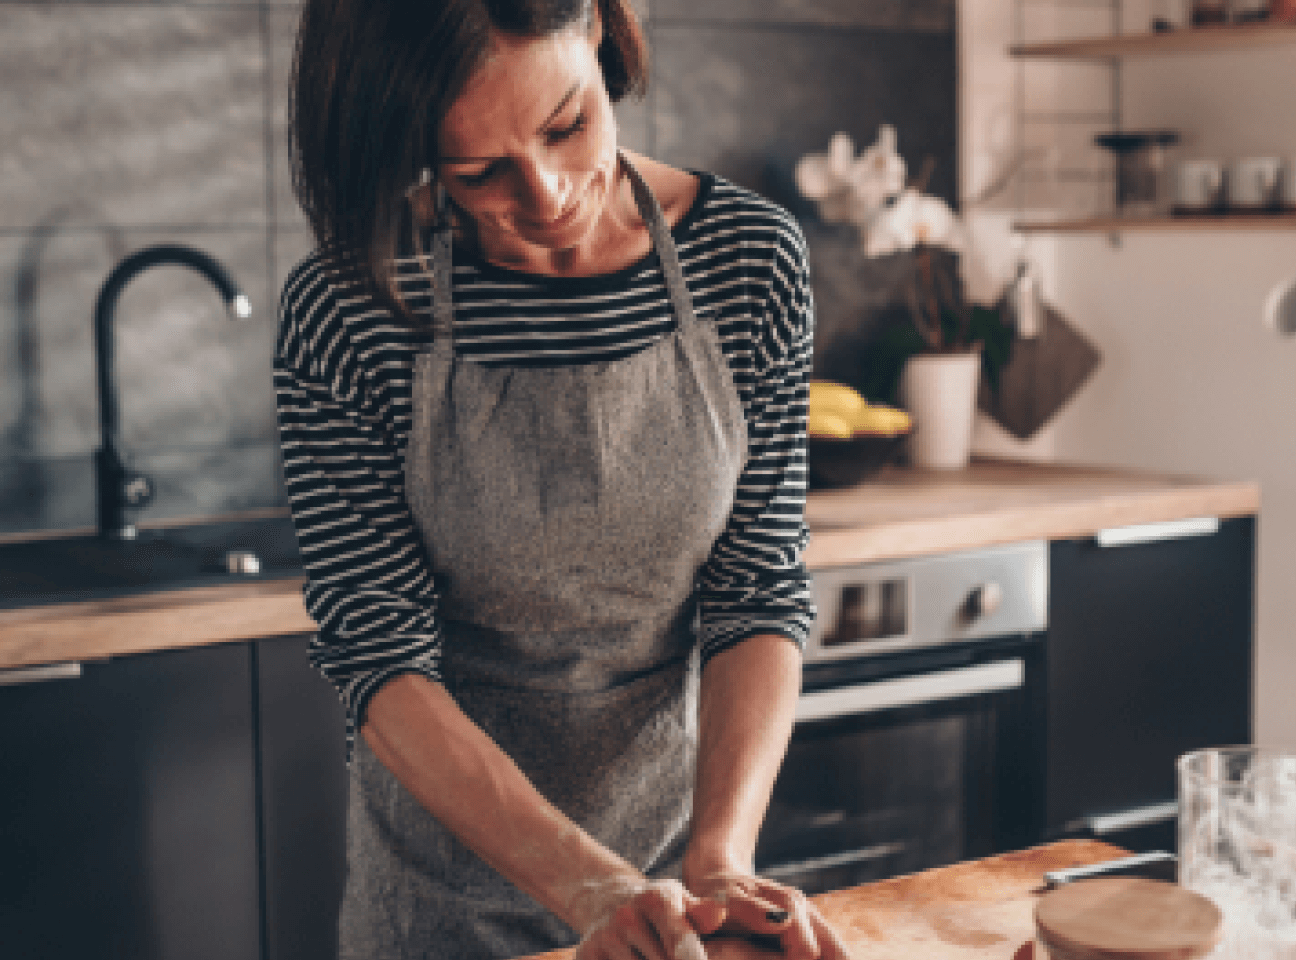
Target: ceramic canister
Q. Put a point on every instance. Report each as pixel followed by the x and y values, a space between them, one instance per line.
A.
pixel 1124 918
pixel 939 391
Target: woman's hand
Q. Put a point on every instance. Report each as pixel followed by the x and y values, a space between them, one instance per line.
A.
pixel 657 920
pixel 757 905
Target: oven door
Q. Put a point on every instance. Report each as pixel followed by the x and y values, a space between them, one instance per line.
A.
pixel 907 762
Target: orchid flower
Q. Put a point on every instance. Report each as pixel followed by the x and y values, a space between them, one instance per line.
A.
pixel 850 189
pixel 913 218
pixel 879 173
pixel 870 192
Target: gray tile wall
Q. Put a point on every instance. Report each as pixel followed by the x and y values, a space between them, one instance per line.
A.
pixel 126 124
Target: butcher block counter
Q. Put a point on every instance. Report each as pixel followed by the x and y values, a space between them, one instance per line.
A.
pixel 897 513
pixel 979 910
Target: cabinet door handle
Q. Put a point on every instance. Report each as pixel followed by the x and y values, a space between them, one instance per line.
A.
pixel 908 691
pixel 1155 532
pixel 863 855
pixel 1103 824
pixel 16 676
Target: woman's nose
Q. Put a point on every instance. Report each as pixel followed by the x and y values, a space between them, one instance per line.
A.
pixel 545 191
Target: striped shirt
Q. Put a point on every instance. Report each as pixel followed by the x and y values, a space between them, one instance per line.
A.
pixel 343 371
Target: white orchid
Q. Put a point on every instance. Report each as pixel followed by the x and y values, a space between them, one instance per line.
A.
pixel 913 218
pixel 879 172
pixel 870 192
pixel 851 189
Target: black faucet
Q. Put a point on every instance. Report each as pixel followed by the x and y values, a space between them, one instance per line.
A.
pixel 115 487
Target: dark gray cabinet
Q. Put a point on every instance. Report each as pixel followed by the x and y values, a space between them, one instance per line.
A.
pixel 185 805
pixel 1149 656
pixel 303 801
pixel 128 811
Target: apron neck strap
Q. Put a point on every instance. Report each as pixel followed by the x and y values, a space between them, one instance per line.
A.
pixel 438 261
pixel 442 272
pixel 663 243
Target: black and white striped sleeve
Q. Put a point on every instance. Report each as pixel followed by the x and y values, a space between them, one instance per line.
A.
pixel 369 587
pixel 755 581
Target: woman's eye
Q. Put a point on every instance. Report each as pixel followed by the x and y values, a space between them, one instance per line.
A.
pixel 477 179
pixel 482 177
pixel 567 132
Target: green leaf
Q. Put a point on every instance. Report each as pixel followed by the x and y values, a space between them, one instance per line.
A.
pixel 996 338
pixel 884 360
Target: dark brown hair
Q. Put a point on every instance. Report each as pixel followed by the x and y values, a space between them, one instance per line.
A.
pixel 373 79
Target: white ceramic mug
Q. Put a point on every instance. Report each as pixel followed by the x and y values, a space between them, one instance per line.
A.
pixel 1254 182
pixel 1289 184
pixel 1198 184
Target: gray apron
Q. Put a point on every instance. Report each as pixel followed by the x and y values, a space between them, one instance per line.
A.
pixel 566 511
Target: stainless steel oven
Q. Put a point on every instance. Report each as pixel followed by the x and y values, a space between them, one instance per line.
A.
pixel 919 737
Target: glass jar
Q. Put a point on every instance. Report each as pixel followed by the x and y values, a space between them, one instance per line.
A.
pixel 1140 157
pixel 1237 845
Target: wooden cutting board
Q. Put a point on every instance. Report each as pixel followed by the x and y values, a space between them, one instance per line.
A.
pixel 979 910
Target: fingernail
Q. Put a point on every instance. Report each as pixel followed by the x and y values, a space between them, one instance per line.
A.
pixel 776 916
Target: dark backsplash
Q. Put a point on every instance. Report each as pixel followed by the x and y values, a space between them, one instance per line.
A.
pixel 164 122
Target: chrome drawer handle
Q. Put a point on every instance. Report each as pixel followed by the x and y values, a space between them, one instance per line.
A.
pixel 1156 532
pixel 831 860
pixel 1103 824
pixel 16 676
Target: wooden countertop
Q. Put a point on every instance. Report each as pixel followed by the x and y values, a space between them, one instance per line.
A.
pixel 899 513
pixel 979 910
pixel 906 513
pixel 164 620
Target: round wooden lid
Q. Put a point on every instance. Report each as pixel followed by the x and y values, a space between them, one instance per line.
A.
pixel 1127 918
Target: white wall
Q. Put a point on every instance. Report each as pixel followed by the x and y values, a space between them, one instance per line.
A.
pixel 1191 381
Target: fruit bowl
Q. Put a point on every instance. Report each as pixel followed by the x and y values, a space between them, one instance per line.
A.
pixel 841 463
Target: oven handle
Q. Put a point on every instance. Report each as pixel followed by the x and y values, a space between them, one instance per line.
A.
pixel 880 695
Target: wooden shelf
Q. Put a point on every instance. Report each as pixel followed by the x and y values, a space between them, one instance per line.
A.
pixel 1113 224
pixel 1246 36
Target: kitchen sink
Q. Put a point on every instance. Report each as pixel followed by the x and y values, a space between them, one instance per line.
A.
pixel 90 567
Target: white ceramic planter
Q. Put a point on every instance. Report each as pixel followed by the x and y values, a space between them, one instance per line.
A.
pixel 939 391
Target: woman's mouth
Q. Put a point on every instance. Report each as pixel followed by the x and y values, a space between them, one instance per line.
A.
pixel 561 222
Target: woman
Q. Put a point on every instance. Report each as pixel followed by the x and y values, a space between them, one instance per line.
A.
pixel 542 464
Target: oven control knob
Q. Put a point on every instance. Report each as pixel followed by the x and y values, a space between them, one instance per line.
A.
pixel 984 600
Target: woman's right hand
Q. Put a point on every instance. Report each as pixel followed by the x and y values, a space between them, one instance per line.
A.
pixel 652 920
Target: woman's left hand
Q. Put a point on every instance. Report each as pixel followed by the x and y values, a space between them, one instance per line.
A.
pixel 757 905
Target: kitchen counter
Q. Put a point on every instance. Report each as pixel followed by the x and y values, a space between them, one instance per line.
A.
pixel 898 513
pixel 979 910
pixel 906 513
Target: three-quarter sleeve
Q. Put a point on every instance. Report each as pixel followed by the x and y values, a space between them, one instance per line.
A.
pixel 368 583
pixel 755 581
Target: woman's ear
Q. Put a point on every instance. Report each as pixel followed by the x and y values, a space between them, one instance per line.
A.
pixel 596 24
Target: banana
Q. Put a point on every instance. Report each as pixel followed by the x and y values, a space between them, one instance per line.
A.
pixel 837 411
pixel 878 419
pixel 828 425
pixel 836 399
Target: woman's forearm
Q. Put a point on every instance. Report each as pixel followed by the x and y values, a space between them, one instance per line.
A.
pixel 747 706
pixel 475 790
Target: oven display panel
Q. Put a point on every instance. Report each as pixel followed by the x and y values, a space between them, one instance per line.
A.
pixel 872 610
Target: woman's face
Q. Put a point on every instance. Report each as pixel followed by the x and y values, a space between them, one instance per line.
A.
pixel 529 149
